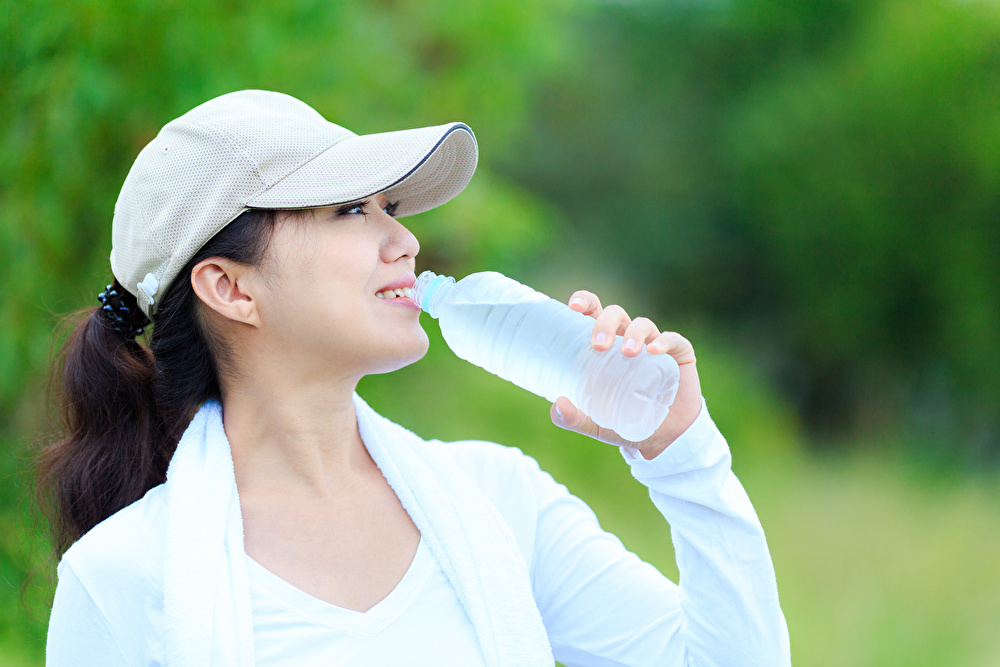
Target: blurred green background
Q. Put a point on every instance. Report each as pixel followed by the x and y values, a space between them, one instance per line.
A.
pixel 808 189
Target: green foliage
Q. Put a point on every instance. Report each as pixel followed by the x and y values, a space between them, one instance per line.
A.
pixel 868 180
pixel 27 572
pixel 807 189
pixel 819 178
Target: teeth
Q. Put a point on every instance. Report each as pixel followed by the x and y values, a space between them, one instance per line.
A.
pixel 393 293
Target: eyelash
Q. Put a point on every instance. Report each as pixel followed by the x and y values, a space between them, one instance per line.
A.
pixel 349 209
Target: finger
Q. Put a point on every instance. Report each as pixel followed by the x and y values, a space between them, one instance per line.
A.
pixel 641 330
pixel 674 344
pixel 613 321
pixel 586 302
pixel 566 415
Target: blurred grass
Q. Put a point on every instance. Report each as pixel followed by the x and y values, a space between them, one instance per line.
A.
pixel 878 561
pixel 880 567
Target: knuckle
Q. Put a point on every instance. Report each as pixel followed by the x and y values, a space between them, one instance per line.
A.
pixel 617 311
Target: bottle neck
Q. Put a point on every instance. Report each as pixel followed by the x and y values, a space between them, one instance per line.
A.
pixel 430 290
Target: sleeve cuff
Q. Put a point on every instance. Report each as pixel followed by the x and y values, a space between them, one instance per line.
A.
pixel 693 448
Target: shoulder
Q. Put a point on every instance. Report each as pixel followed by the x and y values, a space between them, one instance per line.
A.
pixel 477 457
pixel 510 479
pixel 123 553
pixel 109 600
pixel 498 470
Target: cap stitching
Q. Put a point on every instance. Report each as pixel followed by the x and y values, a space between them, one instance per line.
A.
pixel 256 169
pixel 229 139
pixel 218 131
pixel 303 164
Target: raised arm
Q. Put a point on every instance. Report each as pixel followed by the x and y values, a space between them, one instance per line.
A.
pixel 600 603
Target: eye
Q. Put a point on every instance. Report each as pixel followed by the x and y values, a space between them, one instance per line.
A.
pixel 391 207
pixel 353 209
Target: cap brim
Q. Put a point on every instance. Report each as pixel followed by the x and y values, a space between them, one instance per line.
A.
pixel 418 169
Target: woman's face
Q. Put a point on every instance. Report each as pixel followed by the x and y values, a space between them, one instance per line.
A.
pixel 324 279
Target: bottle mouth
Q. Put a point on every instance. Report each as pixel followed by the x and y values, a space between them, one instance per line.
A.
pixel 426 288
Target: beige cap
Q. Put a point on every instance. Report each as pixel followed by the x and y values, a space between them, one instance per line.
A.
pixel 258 149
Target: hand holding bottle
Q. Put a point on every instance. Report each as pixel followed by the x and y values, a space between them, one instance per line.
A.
pixel 546 347
pixel 612 321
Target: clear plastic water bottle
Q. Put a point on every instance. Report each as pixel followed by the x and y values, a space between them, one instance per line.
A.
pixel 543 346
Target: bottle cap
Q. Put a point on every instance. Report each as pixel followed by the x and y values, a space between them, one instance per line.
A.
pixel 426 288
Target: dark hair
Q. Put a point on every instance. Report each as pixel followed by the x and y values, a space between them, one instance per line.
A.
pixel 124 405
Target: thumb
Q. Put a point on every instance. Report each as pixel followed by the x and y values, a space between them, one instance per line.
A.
pixel 566 415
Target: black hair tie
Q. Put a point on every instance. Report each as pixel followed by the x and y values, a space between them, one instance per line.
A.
pixel 126 318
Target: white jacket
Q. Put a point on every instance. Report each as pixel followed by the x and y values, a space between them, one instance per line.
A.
pixel 600 604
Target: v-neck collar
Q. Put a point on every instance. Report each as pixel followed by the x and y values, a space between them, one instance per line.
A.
pixel 369 622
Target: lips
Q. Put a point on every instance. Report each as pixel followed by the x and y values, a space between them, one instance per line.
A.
pixel 401 288
pixel 405 280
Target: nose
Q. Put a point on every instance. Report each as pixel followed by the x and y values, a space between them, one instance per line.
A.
pixel 400 243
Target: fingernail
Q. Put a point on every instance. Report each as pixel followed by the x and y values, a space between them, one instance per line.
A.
pixel 559 413
pixel 600 338
pixel 576 301
pixel 630 344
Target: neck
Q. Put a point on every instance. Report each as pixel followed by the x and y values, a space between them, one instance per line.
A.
pixel 289 433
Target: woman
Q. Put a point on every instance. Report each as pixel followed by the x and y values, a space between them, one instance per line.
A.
pixel 231 501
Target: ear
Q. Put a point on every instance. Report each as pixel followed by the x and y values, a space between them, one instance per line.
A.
pixel 225 287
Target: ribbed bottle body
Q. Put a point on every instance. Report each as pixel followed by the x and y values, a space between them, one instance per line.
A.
pixel 543 346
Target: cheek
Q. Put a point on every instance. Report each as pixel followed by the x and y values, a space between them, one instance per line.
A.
pixel 323 285
pixel 324 302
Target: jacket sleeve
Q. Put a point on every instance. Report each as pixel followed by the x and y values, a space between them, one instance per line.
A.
pixel 602 605
pixel 79 635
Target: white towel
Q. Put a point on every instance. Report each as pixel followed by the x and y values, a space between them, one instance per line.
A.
pixel 206 589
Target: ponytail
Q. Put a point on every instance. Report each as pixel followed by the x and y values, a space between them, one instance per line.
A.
pixel 123 405
pixel 114 448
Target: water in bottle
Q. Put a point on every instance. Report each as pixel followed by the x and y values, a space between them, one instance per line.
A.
pixel 543 346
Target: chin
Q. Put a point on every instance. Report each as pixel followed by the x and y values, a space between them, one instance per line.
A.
pixel 417 354
pixel 402 356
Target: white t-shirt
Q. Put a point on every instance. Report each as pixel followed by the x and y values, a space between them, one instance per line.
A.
pixel 421 622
